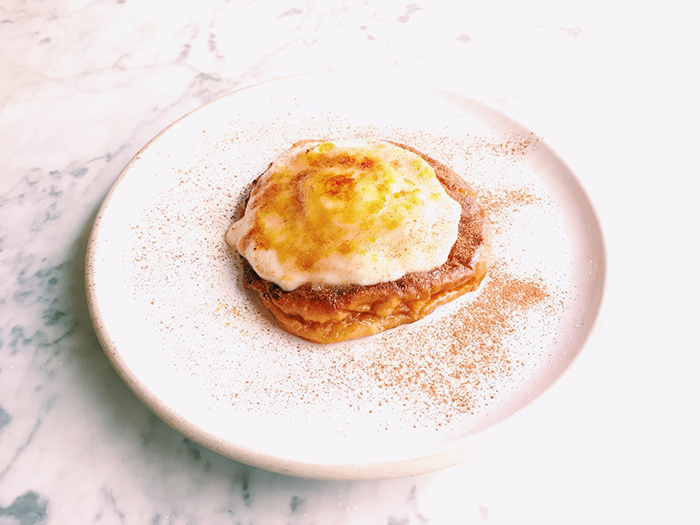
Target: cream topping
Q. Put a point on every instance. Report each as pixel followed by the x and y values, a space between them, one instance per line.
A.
pixel 346 212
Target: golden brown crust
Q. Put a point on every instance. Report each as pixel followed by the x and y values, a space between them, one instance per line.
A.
pixel 326 314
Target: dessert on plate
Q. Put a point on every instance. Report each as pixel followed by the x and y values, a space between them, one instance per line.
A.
pixel 346 239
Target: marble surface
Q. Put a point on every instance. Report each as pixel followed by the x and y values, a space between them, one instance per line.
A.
pixel 612 86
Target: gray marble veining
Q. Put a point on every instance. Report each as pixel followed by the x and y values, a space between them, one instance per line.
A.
pixel 27 509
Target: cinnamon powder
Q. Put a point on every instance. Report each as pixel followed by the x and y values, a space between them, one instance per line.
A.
pixel 455 364
pixel 510 148
pixel 497 201
pixel 450 366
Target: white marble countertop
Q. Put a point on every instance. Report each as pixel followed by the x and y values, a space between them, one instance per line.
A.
pixel 612 87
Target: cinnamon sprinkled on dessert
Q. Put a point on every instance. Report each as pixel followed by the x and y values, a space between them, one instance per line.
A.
pixel 455 365
pixel 458 365
pixel 514 148
pixel 496 201
pixel 473 354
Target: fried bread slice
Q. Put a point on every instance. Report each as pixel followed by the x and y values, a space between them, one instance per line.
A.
pixel 328 314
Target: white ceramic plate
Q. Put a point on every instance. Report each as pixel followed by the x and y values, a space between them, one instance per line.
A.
pixel 169 309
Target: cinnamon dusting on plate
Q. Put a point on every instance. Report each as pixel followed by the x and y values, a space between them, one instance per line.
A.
pixel 453 366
